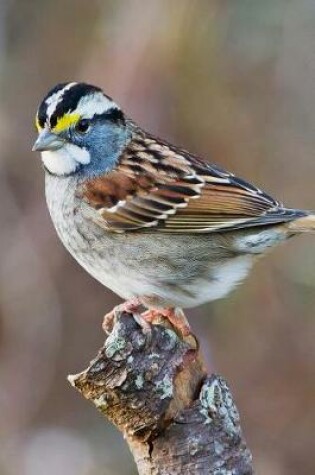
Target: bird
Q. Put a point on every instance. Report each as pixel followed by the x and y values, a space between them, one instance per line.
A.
pixel 159 226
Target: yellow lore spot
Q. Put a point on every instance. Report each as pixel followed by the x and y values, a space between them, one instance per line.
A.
pixel 66 121
pixel 38 127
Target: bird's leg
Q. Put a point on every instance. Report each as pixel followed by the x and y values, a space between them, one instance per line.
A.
pixel 175 316
pixel 130 306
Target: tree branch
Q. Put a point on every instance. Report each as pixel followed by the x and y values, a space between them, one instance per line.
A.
pixel 154 388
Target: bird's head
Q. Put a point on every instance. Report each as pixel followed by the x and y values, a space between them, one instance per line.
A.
pixel 80 129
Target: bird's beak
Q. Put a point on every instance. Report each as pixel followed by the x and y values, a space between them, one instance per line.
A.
pixel 47 141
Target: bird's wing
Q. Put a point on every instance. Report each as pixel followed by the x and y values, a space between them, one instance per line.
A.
pixel 159 187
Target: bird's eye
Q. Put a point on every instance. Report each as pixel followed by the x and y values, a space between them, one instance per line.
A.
pixel 82 126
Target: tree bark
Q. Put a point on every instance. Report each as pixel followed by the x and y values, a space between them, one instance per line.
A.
pixel 154 388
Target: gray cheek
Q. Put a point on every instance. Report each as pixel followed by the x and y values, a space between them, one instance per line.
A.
pixel 105 145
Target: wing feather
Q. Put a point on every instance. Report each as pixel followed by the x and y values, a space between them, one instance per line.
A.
pixel 159 187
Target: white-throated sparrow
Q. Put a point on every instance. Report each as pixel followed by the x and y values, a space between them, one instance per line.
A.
pixel 154 223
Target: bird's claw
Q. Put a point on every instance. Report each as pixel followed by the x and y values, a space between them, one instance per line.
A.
pixel 131 306
pixel 175 316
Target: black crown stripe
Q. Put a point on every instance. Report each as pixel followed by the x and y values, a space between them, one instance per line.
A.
pixel 71 99
pixel 68 102
pixel 42 111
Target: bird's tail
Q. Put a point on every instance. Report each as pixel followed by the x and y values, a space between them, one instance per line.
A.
pixel 305 224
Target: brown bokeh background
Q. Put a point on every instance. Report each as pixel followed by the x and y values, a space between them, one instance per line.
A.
pixel 232 80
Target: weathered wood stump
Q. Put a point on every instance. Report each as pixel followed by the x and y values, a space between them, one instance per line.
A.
pixel 154 388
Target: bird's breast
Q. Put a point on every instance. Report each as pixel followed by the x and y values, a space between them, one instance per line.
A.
pixel 103 255
pixel 167 270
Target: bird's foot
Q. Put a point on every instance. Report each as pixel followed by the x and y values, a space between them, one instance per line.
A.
pixel 130 306
pixel 175 316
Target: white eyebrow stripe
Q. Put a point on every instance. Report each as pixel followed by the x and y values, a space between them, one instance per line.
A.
pixel 53 101
pixel 94 104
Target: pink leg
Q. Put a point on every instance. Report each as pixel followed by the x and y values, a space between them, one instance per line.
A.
pixel 175 316
pixel 130 306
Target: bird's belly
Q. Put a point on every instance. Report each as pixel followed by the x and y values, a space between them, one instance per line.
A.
pixel 175 271
pixel 164 270
pixel 159 288
pixel 222 279
pixel 215 284
pixel 146 272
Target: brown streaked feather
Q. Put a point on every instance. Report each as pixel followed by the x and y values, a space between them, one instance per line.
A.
pixel 159 187
pixel 108 190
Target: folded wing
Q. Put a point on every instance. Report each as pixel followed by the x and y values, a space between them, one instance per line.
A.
pixel 159 187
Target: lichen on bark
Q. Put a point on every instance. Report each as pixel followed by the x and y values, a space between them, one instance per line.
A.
pixel 175 418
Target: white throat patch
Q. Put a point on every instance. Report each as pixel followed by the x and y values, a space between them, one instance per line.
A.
pixel 66 160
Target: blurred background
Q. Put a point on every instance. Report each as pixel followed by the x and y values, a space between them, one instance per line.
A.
pixel 232 80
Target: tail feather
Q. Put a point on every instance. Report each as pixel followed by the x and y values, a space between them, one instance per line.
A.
pixel 305 224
